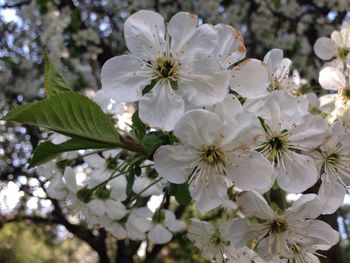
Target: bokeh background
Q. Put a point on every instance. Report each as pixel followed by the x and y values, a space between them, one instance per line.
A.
pixel 80 36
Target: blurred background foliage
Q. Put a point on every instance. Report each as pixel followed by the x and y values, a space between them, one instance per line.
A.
pixel 80 36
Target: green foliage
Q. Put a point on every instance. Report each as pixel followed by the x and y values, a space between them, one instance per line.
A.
pixel 53 80
pixel 181 193
pixel 149 87
pixel 27 243
pixel 138 127
pixel 47 151
pixel 68 113
pixel 153 140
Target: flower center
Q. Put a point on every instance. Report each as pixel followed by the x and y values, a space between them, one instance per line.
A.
pixel 274 146
pixel 343 52
pixel 278 225
pixel 212 155
pixel 333 158
pixel 275 85
pixel 346 93
pixel 166 68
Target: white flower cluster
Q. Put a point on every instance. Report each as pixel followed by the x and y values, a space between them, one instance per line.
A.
pixel 242 129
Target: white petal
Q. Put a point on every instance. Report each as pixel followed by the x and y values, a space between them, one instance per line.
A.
pixel 198 127
pixel 174 163
pixel 337 38
pixel 250 170
pixel 327 102
pixel 253 204
pixel 228 108
pixel 142 224
pixel 181 27
pixel 325 48
pixel 142 182
pixel 244 84
pixel 331 193
pixel 241 231
pixel 95 161
pixel 244 129
pixel 144 34
pixel 311 133
pixel 230 49
pixel 323 235
pixel 273 59
pixel 115 209
pixel 159 234
pixel 300 173
pixel 332 79
pixel 282 74
pixel 196 44
pixel 69 178
pixel 162 107
pixel 208 192
pixel 176 225
pixel 123 78
pixel 118 187
pixel 199 232
pixel 308 206
pixel 204 82
pixel 117 230
pixel 56 188
pixel 97 207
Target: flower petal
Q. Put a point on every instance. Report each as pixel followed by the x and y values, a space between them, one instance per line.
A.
pixel 244 84
pixel 298 173
pixel 124 77
pixel 228 108
pixel 331 193
pixel 198 128
pixel 325 48
pixel 195 45
pixel 144 34
pixel 308 206
pixel 253 204
pixel 208 192
pixel 174 163
pixel 332 79
pixel 204 82
pixel 95 161
pixel 323 235
pixel 115 209
pixel 97 207
pixel 231 47
pixel 249 170
pixel 273 59
pixel 242 231
pixel 181 27
pixel 159 234
pixel 309 134
pixel 161 107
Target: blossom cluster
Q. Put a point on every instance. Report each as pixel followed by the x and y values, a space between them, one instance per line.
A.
pixel 240 130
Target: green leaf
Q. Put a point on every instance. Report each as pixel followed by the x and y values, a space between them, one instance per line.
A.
pixel 138 127
pixel 68 113
pixel 181 193
pixel 153 140
pixel 150 86
pixel 47 151
pixel 53 80
pixel 130 183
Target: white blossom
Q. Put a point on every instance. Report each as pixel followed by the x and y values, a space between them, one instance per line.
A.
pixel 210 155
pixel 177 57
pixel 277 234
